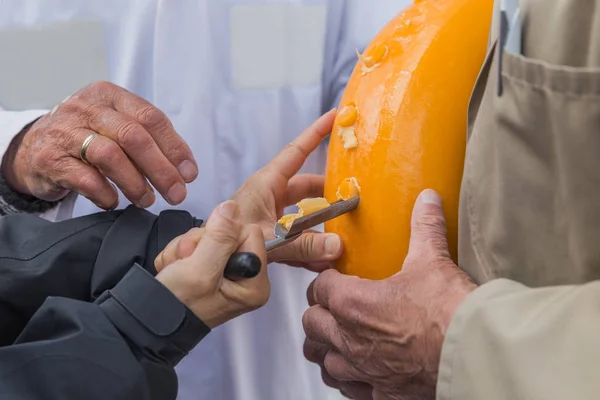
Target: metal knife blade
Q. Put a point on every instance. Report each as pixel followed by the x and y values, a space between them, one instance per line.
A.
pixel 318 217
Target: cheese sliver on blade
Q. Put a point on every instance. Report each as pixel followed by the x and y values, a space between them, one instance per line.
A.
pixel 305 207
pixel 311 205
pixel 288 220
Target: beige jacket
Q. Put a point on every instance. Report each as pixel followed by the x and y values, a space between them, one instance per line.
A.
pixel 530 217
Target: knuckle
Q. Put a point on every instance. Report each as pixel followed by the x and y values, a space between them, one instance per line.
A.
pixel 54 132
pixel 87 182
pixel 131 135
pixel 175 150
pixel 109 158
pixel 107 152
pixel 308 350
pixel 222 235
pixel 296 148
pixel 186 246
pixel 348 302
pixel 182 245
pixel 312 351
pixel 319 285
pixel 99 87
pixel 174 147
pixel 310 294
pixel 134 189
pixel 350 310
pixel 92 111
pixel 327 275
pixel 338 301
pixel 150 116
pixel 195 233
pixel 72 107
pixel 307 322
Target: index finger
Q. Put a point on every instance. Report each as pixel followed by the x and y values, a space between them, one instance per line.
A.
pixel 320 326
pixel 325 287
pixel 181 247
pixel 289 161
pixel 220 238
pixel 345 296
pixel 160 128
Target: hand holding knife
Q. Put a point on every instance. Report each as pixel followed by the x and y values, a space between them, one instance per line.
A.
pixel 248 265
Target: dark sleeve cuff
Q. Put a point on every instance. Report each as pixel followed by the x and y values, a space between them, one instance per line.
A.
pixel 12 202
pixel 151 317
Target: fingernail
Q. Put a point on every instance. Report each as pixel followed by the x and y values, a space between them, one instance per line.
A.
pixel 229 210
pixel 429 196
pixel 188 171
pixel 147 199
pixel 332 245
pixel 176 194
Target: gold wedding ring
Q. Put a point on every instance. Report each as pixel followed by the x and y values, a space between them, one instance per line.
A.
pixel 84 147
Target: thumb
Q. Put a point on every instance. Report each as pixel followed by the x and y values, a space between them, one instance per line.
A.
pixel 221 236
pixel 428 229
pixel 310 248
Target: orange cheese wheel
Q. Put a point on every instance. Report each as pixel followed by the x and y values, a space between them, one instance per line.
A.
pixel 411 89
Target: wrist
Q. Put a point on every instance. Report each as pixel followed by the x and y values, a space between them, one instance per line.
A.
pixel 15 196
pixel 198 298
pixel 151 317
pixel 11 170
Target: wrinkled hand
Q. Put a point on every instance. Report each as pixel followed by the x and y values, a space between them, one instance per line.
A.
pixel 383 339
pixel 136 146
pixel 263 197
pixel 197 280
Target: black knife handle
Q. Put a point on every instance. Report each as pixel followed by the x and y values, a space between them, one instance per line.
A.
pixel 242 266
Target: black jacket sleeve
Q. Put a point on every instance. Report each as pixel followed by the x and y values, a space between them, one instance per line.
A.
pixel 81 315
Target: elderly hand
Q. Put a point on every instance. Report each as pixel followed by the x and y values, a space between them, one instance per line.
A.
pixel 136 146
pixel 263 197
pixel 383 339
pixel 197 280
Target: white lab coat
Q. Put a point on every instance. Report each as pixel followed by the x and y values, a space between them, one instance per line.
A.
pixel 239 79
